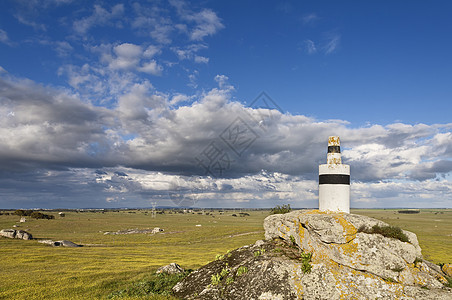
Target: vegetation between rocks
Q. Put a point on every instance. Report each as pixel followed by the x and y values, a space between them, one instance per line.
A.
pixel 386 231
pixel 280 209
pixel 156 284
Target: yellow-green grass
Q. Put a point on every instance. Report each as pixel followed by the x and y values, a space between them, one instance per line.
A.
pixel 30 270
pixel 433 228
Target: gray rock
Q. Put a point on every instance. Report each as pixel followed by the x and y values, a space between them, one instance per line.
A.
pixel 18 234
pixel 65 243
pixel 345 264
pixel 172 268
pixel 8 233
pixel 49 242
pixel 156 230
pixel 21 234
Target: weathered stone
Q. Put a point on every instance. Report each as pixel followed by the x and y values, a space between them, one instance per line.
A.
pixel 345 264
pixel 21 234
pixel 9 233
pixel 447 269
pixel 172 268
pixel 18 234
pixel 49 242
pixel 68 244
pixel 156 230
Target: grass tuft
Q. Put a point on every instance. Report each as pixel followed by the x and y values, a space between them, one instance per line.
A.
pixel 386 231
pixel 156 284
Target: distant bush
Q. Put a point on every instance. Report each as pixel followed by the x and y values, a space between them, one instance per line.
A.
pixel 409 211
pixel 23 213
pixel 33 214
pixel 244 214
pixel 281 209
pixel 386 231
pixel 38 215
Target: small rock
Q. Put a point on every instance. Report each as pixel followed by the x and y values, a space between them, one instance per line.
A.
pixel 198 225
pixel 447 269
pixel 156 230
pixel 15 226
pixel 68 244
pixel 259 243
pixel 49 242
pixel 172 268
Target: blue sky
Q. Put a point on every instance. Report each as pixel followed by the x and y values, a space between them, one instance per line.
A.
pixel 113 103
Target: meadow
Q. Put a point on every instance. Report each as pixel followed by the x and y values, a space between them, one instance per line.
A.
pixel 108 263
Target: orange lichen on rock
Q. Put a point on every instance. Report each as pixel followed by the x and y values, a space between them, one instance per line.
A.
pixel 349 230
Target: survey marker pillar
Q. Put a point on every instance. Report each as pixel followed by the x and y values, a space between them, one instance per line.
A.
pixel 334 180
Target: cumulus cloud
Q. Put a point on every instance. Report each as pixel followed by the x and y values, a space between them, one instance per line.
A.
pixel 206 21
pixel 144 140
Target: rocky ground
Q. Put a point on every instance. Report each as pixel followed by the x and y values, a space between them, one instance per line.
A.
pixel 314 255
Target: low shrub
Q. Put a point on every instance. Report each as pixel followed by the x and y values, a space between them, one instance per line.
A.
pixel 306 262
pixel 242 270
pixel 386 231
pixel 156 284
pixel 280 209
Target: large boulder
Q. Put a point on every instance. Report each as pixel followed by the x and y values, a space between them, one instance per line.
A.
pixel 18 234
pixel 8 233
pixel 316 255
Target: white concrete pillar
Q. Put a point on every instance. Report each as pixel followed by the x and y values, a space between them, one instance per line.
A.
pixel 334 180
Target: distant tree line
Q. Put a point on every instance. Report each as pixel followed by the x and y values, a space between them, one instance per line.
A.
pixel 33 214
pixel 409 211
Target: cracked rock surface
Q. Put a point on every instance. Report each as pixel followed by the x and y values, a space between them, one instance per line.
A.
pixel 345 264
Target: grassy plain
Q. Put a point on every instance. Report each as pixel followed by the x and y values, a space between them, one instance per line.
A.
pixel 107 263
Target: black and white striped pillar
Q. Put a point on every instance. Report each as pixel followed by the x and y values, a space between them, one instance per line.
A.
pixel 334 180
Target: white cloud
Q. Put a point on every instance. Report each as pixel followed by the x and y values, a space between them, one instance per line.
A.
pixel 127 56
pixel 208 23
pixel 151 67
pixel 4 37
pixel 201 59
pixel 51 129
pixel 99 17
pixel 332 43
pixel 309 18
pixel 310 47
pixel 151 51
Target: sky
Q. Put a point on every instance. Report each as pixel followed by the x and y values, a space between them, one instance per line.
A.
pixel 223 103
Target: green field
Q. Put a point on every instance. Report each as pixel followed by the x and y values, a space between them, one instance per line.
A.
pixel 107 263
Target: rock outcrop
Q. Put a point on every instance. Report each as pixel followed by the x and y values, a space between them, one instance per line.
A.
pixel 63 243
pixel 315 255
pixel 172 268
pixel 16 234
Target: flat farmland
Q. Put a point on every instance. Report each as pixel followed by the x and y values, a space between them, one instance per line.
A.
pixel 107 262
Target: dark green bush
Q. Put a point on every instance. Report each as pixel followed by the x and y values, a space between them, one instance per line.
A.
pixel 156 284
pixel 280 209
pixel 23 213
pixel 386 231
